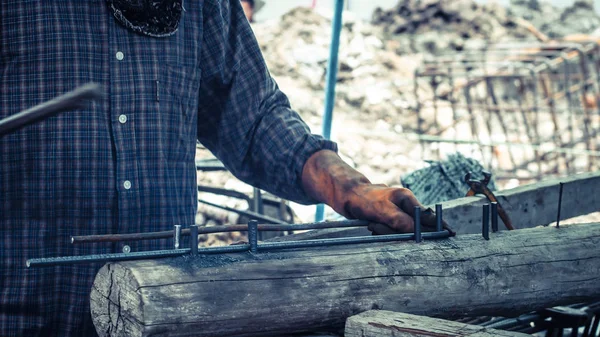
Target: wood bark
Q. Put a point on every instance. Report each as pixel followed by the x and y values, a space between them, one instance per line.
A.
pixel 382 323
pixel 528 206
pixel 307 289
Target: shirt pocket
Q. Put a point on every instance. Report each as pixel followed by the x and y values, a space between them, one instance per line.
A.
pixel 177 93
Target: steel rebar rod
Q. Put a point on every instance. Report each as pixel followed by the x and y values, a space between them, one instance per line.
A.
pixel 351 240
pixel 217 229
pixel 250 214
pixel 72 100
pixel 65 260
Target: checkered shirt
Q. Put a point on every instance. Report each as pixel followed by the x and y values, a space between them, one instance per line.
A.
pixel 125 163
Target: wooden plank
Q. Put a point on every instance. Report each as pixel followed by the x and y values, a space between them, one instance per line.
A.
pixel 382 323
pixel 528 206
pixel 300 290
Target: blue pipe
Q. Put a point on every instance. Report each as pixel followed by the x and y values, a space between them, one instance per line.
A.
pixel 331 80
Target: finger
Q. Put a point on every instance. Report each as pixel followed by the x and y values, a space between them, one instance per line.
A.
pixel 387 213
pixel 405 200
pixel 380 229
pixel 395 218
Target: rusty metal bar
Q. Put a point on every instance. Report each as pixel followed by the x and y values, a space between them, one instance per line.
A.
pixel 217 229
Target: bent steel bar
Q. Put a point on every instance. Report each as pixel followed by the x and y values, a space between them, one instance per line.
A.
pixel 70 101
pixel 232 249
pixel 218 229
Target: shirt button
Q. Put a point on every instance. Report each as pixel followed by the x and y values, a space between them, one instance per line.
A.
pixel 120 55
pixel 127 184
pixel 123 119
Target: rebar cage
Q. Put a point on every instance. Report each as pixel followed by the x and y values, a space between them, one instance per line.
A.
pixel 525 109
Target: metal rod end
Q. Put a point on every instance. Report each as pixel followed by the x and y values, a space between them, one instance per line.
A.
pixel 194 239
pixel 417 220
pixel 438 217
pixel 485 222
pixel 253 235
pixel 494 217
pixel 560 193
pixel 177 236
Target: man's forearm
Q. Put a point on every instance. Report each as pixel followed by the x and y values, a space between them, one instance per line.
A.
pixel 328 179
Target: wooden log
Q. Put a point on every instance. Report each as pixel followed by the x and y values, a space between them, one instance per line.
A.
pixel 528 206
pixel 382 323
pixel 302 290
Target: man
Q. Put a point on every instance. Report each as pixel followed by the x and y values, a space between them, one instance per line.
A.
pixel 126 163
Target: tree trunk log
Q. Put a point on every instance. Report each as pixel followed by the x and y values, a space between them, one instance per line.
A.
pixel 381 323
pixel 303 290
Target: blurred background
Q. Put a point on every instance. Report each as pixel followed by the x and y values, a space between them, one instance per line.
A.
pixel 363 9
pixel 428 90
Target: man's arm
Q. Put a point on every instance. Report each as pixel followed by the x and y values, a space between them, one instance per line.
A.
pixel 247 122
pixel 328 179
pixel 244 119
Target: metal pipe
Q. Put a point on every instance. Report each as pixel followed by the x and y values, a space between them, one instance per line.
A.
pixel 218 229
pixel 332 67
pixel 72 100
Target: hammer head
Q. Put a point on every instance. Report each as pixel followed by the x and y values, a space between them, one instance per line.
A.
pixel 487 176
pixel 468 178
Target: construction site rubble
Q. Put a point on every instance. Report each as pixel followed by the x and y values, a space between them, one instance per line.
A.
pixel 580 18
pixel 375 115
pixel 439 26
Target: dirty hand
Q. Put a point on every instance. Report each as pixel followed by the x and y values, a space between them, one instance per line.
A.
pixel 327 178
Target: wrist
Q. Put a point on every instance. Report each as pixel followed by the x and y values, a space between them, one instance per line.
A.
pixel 328 179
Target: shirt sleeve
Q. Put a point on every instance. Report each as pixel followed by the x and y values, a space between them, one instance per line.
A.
pixel 244 119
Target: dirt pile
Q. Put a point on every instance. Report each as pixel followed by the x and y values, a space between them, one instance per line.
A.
pixel 296 49
pixel 580 18
pixel 435 26
pixel 439 26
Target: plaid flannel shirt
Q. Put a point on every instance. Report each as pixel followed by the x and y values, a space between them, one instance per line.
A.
pixel 126 163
